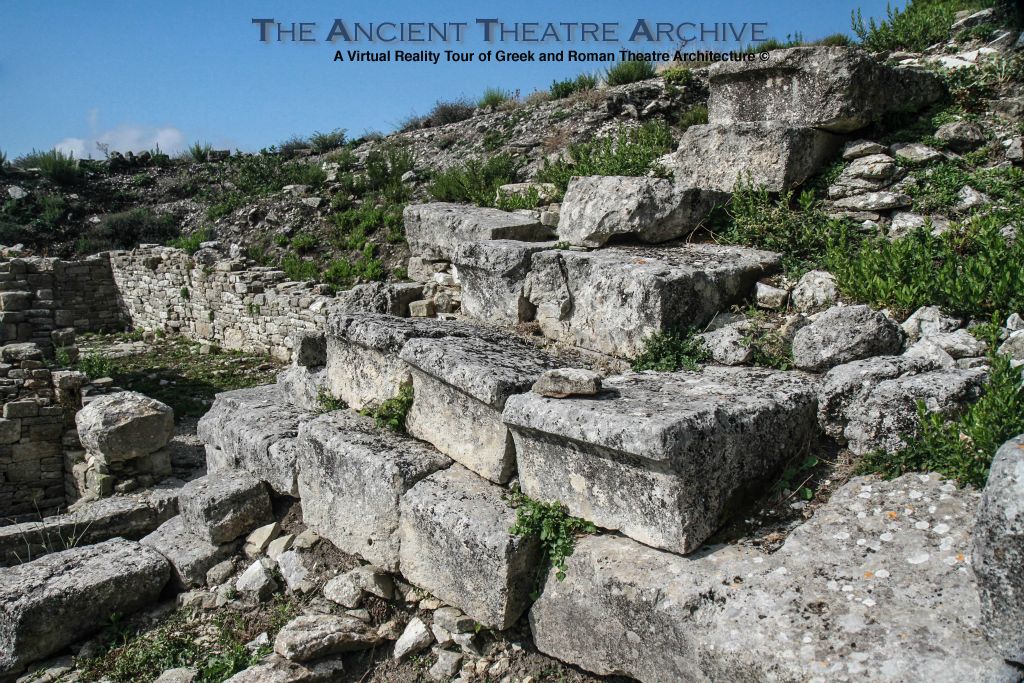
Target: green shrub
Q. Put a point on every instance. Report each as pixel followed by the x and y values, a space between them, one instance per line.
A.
pixel 199 151
pixel 835 40
pixel 295 143
pixel 96 366
pixel 671 351
pixel 492 97
pixel 261 174
pixel 963 448
pixel 299 269
pixel 792 40
pixel 327 403
pixel 60 168
pixel 942 182
pixel 631 151
pixel 391 413
pixel 569 86
pixel 476 181
pixel 677 76
pixel 694 116
pixel 3 160
pixel 356 225
pixel 443 113
pixel 971 86
pixel 973 271
pixel 513 202
pixel 325 142
pixel 190 243
pixel 630 71
pixel 552 525
pixel 304 242
pixel 342 273
pixel 920 24
pixel 128 229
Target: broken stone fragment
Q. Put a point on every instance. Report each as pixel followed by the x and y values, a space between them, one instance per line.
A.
pixel 435 230
pixel 124 425
pixel 315 636
pixel 191 554
pixel 415 638
pixel 257 580
pixel 224 506
pixel 842 334
pixel 565 382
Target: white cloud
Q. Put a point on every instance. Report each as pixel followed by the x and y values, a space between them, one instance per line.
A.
pixel 123 138
pixel 77 147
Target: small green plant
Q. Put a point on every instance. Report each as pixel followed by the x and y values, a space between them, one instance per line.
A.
pixel 671 351
pixel 327 403
pixel 298 269
pixel 835 40
pixel 325 142
pixel 199 151
pixel 792 40
pixel 281 239
pixel 96 366
pixel 962 448
pixel 630 71
pixel 920 24
pixel 476 181
pixel 184 293
pixel 569 86
pixel 60 168
pixel 191 243
pixel 796 476
pixel 254 309
pixel 694 116
pixel 493 97
pixel 443 113
pixel 304 242
pixel 678 76
pixel 511 202
pixel 552 525
pixel 390 414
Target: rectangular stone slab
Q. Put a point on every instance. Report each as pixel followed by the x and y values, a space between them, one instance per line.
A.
pixel 611 300
pixel 460 386
pixel 190 553
pixel 49 603
pixel 660 456
pixel 491 275
pixel 435 230
pixel 765 154
pixel 880 559
pixel 456 545
pixel 250 430
pixel 351 478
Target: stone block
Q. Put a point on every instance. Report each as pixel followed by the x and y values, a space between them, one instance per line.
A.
pixel 662 456
pixel 436 230
pixel 460 386
pixel 191 555
pixel 351 478
pixel 124 425
pixel 49 603
pixel 303 386
pixel 224 506
pixel 612 299
pixel 455 543
pixel 491 275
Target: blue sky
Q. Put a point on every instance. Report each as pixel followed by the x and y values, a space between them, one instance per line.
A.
pixel 132 73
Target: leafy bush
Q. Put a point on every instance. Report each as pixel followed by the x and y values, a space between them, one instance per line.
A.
pixel 552 525
pixel 199 151
pixel 260 174
pixel 325 142
pixel 792 40
pixel 629 152
pixel 569 86
pixel 677 75
pixel 299 269
pixel 492 97
pixel 630 71
pixel 382 175
pixel 38 219
pixel 694 116
pixel 3 160
pixel 356 224
pixel 971 86
pixel 127 229
pixel 942 183
pixel 391 413
pixel 835 40
pixel 295 143
pixel 190 243
pixel 303 242
pixel 476 181
pixel 671 351
pixel 60 168
pixel 921 23
pixel 963 448
pixel 327 403
pixel 443 113
pixel 342 274
pixel 96 366
pixel 513 202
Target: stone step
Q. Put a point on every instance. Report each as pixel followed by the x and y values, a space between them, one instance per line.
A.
pixel 49 603
pixel 352 476
pixel 460 386
pixel 662 456
pixel 435 230
pixel 254 430
pixel 611 300
pixel 882 562
pixel 188 550
pixel 491 275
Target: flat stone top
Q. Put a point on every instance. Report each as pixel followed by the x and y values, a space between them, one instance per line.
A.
pixel 390 333
pixel 497 255
pixel 660 416
pixel 343 431
pixel 70 569
pixel 811 58
pixel 677 261
pixel 465 501
pixel 485 219
pixel 489 371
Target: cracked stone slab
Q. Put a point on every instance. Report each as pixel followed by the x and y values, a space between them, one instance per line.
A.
pixel 660 456
pixel 882 562
pixel 435 230
pixel 352 476
pixel 254 430
pixel 303 385
pixel 460 386
pixel 49 603
pixel 456 545
pixel 611 300
pixel 491 275
pixel 190 553
pixel 223 506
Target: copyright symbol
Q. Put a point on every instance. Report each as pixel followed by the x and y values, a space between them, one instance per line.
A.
pixel 764 56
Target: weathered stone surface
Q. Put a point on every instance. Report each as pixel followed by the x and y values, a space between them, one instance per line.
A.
pixel 611 300
pixel 565 382
pixel 864 174
pixel 253 430
pixel 390 298
pixel 351 479
pixel 816 289
pixel 881 560
pixel 845 385
pixel 492 274
pixel 916 152
pixel 224 506
pixel 295 572
pixel 659 456
pixel 1013 346
pixel 178 675
pixel 835 88
pixel 999 551
pixel 257 579
pixel 874 201
pixel 599 208
pixel 842 334
pixel 303 386
pixel 929 320
pixel 124 425
pixel 436 230
pixel 730 344
pixel 460 386
pixel 456 545
pixel 309 348
pixel 961 136
pixel 415 638
pixel 51 602
pixel 772 298
pixel 277 669
pixel 862 148
pixel 770 155
pixel 191 555
pixel 887 415
pixel 315 636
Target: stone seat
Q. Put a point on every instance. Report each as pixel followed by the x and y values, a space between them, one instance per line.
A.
pixel 436 229
pixel 661 456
